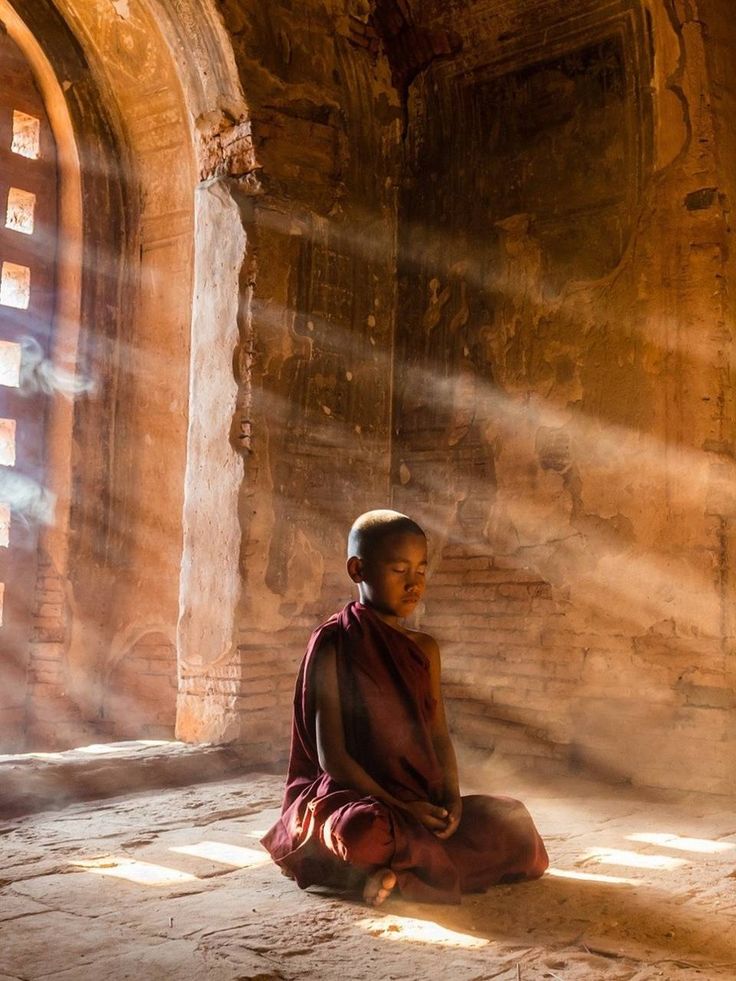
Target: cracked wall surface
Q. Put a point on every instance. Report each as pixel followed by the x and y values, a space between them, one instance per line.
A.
pixel 556 373
pixel 313 354
pixel 471 258
pixel 564 407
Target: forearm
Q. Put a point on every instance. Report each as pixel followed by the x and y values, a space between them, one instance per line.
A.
pixel 346 771
pixel 448 762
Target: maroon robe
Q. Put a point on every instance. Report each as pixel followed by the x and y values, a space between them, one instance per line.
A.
pixel 326 831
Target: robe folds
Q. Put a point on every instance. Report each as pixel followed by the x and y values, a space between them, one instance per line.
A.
pixel 328 834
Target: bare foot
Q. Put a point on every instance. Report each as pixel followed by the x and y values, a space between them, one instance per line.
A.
pixel 378 886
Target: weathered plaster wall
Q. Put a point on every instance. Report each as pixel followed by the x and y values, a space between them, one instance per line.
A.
pixel 566 399
pixel 312 358
pixel 537 195
pixel 470 256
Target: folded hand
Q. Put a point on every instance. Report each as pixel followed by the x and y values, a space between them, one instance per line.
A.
pixel 454 813
pixel 433 818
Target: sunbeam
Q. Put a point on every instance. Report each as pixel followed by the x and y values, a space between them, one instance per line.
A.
pixel 411 930
pixel 225 854
pixel 700 846
pixel 637 860
pixel 612 880
pixel 141 873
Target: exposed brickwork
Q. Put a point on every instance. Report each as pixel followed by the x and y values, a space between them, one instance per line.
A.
pixel 506 689
pixel 258 684
pixel 52 721
pixel 408 47
pixel 139 700
pixel 140 692
pixel 24 321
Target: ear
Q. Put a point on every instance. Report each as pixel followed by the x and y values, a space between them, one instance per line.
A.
pixel 355 568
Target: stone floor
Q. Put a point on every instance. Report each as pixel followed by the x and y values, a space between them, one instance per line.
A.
pixel 172 884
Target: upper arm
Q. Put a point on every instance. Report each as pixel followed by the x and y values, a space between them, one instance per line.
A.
pixel 328 710
pixel 431 649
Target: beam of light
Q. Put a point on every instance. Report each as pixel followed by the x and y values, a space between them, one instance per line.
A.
pixel 94 749
pixel 28 500
pixel 441 249
pixel 142 873
pixel 419 931
pixel 617 856
pixel 507 411
pixel 217 851
pixel 646 587
pixel 640 588
pixel 703 846
pixel 612 880
pixel 128 746
pixel 89 690
pixel 40 374
pixel 659 584
pixel 128 714
pixel 620 447
pixel 535 524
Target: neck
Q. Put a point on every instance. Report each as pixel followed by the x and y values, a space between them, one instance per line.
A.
pixel 390 618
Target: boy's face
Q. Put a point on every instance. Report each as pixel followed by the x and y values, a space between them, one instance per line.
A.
pixel 392 577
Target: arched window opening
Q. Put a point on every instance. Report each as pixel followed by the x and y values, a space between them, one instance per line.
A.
pixel 28 234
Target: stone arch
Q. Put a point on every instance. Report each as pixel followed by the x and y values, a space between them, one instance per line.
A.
pixel 136 112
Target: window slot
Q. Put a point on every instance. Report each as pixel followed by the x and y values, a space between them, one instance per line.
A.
pixel 4 526
pixel 15 286
pixel 7 442
pixel 10 361
pixel 26 135
pixel 21 211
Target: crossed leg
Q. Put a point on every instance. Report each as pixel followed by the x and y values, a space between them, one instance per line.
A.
pixel 361 834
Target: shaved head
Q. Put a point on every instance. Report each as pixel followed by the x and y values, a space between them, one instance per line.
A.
pixel 371 528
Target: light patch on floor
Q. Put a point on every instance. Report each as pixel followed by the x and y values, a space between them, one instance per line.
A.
pixel 419 931
pixel 634 860
pixel 698 845
pixel 218 851
pixel 144 873
pixel 612 880
pixel 108 749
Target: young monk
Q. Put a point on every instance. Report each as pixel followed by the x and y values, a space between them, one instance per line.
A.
pixel 372 797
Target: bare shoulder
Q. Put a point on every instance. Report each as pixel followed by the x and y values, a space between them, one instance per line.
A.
pixel 427 643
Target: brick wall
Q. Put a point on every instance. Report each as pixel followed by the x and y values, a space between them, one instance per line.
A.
pixel 506 681
pixel 52 719
pixel 138 695
pixel 140 692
